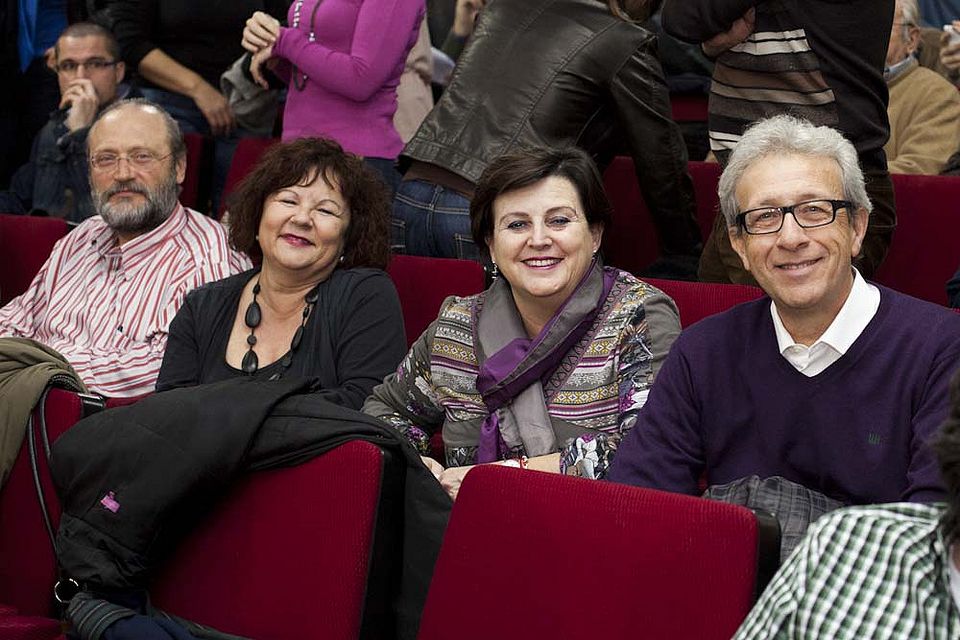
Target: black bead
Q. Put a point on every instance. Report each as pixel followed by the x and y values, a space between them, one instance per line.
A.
pixel 287 359
pixel 252 317
pixel 306 311
pixel 250 362
pixel 251 339
pixel 297 338
pixel 256 287
pixel 311 298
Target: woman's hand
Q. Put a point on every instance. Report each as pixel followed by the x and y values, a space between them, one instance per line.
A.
pixel 259 59
pixel 465 16
pixel 452 478
pixel 215 108
pixel 950 53
pixel 261 31
pixel 435 467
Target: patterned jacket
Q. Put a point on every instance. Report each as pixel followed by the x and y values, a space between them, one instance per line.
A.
pixel 597 389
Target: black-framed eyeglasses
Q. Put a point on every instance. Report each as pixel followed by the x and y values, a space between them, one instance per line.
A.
pixel 93 64
pixel 808 214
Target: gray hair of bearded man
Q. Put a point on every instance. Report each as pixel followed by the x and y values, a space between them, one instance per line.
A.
pixel 788 135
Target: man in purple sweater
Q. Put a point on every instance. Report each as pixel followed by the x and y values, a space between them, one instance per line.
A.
pixel 832 382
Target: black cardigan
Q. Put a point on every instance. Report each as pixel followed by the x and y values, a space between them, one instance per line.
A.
pixel 353 339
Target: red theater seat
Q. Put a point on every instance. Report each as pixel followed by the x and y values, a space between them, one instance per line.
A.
pixel 248 153
pixel 288 553
pixel 697 300
pixel 25 244
pixel 190 189
pixel 27 563
pixel 537 555
pixel 925 252
pixel 631 243
pixel 424 283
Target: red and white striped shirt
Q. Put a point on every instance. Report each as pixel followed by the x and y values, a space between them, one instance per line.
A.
pixel 107 307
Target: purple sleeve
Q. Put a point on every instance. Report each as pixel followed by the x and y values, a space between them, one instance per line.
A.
pixel 699 20
pixel 923 474
pixel 383 33
pixel 664 448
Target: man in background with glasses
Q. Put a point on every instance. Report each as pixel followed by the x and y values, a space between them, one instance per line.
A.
pixel 106 295
pixel 55 180
pixel 831 382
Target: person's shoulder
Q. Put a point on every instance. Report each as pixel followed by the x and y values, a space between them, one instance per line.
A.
pixel 855 525
pixel 933 82
pixel 205 226
pixel 916 316
pixel 753 315
pixel 216 291
pixel 87 234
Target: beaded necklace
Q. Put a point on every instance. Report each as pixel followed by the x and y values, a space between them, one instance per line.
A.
pixel 252 319
pixel 300 78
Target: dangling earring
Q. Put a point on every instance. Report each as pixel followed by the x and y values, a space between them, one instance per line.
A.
pixel 342 258
pixel 496 271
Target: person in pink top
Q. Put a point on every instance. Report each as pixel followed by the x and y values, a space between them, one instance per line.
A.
pixel 342 61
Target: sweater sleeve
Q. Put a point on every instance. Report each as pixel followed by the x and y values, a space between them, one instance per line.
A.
pixel 664 448
pixel 133 27
pixel 381 37
pixel 641 97
pixel 699 20
pixel 923 473
pixel 407 399
pixel 181 359
pixel 370 341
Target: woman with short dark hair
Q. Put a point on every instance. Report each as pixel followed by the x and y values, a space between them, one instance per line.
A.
pixel 550 365
pixel 319 305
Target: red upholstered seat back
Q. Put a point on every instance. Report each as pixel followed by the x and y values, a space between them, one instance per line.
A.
pixel 245 158
pixel 27 563
pixel 424 283
pixel 25 244
pixel 925 251
pixel 536 555
pixel 286 554
pixel 631 242
pixel 697 300
pixel 190 189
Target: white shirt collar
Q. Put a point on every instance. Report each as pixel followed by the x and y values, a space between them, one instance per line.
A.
pixel 854 316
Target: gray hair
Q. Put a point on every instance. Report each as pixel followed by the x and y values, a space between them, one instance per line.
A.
pixel 785 135
pixel 909 12
pixel 178 148
pixel 909 17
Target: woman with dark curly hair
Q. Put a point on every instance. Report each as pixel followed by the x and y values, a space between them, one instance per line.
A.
pixel 319 305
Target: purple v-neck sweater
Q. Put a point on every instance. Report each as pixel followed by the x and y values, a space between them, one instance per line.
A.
pixel 726 402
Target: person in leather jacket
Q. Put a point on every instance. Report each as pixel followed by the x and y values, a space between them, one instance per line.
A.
pixel 547 73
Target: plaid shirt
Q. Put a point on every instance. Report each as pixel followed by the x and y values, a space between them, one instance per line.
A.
pixel 862 572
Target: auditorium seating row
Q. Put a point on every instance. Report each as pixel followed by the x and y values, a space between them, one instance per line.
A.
pixel 311 552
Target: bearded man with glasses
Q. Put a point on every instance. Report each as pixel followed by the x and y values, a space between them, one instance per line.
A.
pixel 830 382
pixel 54 180
pixel 105 297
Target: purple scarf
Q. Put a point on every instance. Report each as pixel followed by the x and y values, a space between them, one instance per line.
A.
pixel 512 376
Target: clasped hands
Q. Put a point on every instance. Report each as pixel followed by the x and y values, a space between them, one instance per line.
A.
pixel 259 36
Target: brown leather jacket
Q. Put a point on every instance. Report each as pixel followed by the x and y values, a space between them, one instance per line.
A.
pixel 556 72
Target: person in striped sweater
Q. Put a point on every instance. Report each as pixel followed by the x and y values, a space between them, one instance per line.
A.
pixel 106 295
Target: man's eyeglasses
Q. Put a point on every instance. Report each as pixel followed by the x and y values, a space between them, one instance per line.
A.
pixel 144 160
pixel 93 64
pixel 808 214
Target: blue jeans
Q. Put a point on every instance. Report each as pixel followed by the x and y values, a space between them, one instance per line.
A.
pixel 184 110
pixel 430 220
